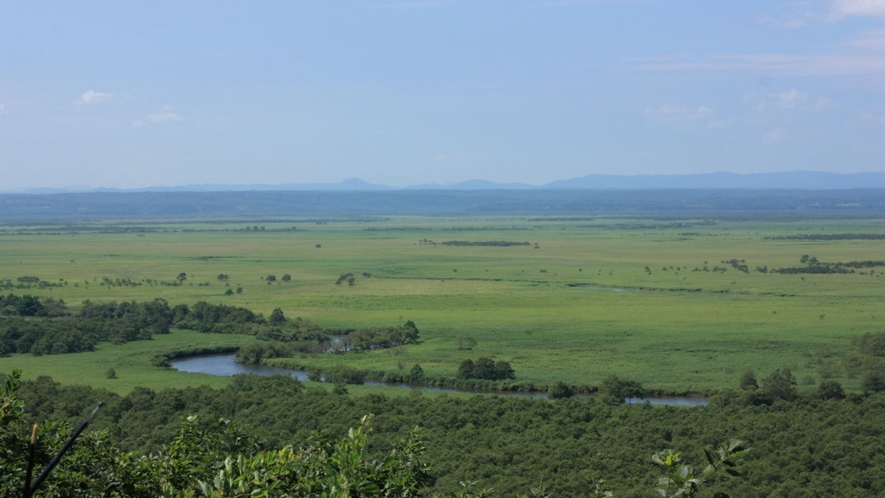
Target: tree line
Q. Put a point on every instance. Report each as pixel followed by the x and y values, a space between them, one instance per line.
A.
pixel 801 448
pixel 36 325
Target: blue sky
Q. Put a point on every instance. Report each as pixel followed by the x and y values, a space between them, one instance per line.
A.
pixel 134 94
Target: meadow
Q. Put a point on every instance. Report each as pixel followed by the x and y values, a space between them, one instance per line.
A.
pixel 587 297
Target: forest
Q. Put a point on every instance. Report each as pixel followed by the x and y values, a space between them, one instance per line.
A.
pixel 802 447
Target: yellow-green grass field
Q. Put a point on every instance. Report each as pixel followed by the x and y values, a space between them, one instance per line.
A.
pixel 568 306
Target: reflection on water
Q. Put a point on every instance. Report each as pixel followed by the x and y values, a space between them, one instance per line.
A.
pixel 670 400
pixel 226 365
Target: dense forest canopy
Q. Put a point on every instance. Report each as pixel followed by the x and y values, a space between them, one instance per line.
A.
pixel 799 448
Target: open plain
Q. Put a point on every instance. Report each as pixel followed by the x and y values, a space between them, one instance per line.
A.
pixel 680 305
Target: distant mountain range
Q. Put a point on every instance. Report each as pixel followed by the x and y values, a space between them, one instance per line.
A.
pixel 799 180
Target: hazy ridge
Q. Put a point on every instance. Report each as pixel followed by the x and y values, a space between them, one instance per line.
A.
pixel 811 180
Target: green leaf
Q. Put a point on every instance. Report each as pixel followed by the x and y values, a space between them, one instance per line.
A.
pixel 733 472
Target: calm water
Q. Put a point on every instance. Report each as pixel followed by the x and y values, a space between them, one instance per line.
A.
pixel 226 365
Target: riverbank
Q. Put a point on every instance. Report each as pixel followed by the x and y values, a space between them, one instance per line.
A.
pixel 226 365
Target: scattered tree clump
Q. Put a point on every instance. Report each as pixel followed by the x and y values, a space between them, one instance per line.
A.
pixel 560 390
pixel 485 369
pixel 479 243
pixel 815 266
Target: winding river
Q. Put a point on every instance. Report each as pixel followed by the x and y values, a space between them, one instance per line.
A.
pixel 226 365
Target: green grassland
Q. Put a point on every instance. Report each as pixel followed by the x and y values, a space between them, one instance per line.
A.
pixel 576 304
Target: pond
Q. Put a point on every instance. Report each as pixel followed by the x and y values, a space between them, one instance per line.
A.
pixel 226 365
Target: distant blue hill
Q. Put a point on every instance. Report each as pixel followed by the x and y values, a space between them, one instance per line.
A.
pixel 789 180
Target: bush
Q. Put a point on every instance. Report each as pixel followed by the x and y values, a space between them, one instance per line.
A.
pixel 618 389
pixel 873 381
pixel 780 384
pixel 830 389
pixel 343 374
pixel 560 390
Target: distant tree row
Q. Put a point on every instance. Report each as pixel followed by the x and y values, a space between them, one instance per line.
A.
pixel 29 282
pixel 814 266
pixel 481 243
pixel 830 236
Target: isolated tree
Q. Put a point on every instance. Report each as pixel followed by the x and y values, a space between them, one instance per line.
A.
pixel 410 332
pixel 466 342
pixel 748 381
pixel 271 278
pixel 276 317
pixel 416 373
pixel 239 290
pixel 286 277
pixel 780 384
pixel 181 277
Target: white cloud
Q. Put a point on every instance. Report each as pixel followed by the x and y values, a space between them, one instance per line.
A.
pixel 683 114
pixel 789 99
pixel 868 40
pixel 775 135
pixel 866 8
pixel 796 100
pixel 779 64
pixel 91 97
pixel 165 115
pixel 798 14
pixel 668 111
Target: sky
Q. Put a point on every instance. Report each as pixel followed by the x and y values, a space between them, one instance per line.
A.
pixel 168 93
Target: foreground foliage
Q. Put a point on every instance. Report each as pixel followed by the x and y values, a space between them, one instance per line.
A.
pixel 802 448
pixel 220 460
pixel 215 461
